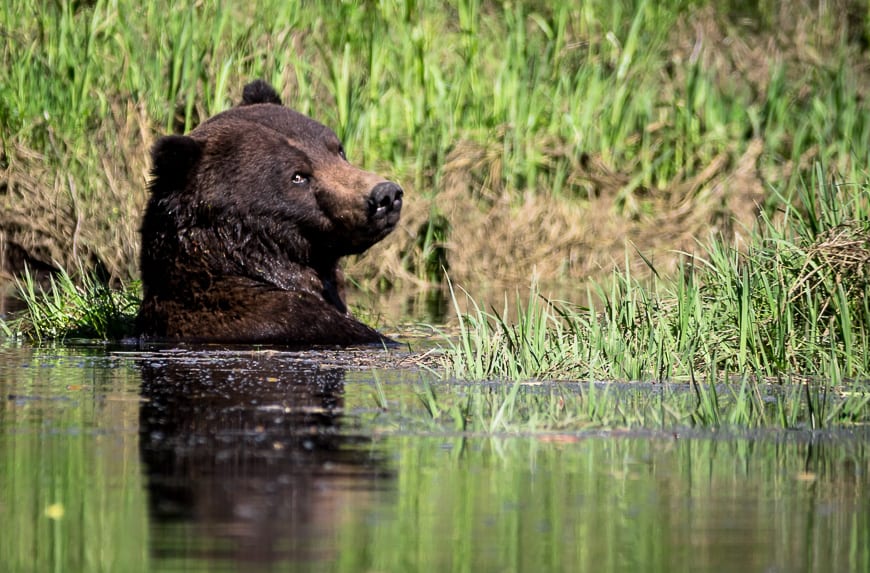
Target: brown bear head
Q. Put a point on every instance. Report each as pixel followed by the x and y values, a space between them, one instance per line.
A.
pixel 262 172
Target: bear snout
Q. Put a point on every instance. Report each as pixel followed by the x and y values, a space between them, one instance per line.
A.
pixel 385 202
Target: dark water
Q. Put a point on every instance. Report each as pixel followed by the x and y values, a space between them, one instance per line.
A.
pixel 132 460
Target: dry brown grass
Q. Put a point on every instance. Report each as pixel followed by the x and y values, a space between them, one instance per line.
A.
pixel 841 255
pixel 497 236
pixel 742 51
pixel 47 214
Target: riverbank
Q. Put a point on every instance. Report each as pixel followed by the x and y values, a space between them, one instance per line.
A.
pixel 786 309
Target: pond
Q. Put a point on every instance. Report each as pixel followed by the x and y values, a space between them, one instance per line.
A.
pixel 158 459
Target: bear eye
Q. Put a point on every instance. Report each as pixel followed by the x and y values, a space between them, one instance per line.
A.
pixel 300 179
pixel 341 152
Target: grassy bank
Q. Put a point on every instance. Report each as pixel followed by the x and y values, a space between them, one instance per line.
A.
pixel 791 302
pixel 528 135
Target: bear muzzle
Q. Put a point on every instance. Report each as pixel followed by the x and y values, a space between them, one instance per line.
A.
pixel 385 204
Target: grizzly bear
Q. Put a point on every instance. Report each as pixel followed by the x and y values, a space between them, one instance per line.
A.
pixel 247 219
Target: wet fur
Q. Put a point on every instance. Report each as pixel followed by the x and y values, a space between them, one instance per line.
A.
pixel 235 250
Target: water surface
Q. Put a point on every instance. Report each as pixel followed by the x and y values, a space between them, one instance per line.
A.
pixel 130 459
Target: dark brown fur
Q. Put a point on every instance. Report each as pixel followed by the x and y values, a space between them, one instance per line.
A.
pixel 248 217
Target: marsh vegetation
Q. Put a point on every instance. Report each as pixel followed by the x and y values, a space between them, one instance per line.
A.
pixel 714 154
pixel 528 135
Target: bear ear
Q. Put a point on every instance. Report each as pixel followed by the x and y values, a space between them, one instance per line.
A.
pixel 172 159
pixel 259 91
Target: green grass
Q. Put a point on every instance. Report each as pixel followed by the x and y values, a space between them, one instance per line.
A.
pixel 81 307
pixel 565 100
pixel 790 302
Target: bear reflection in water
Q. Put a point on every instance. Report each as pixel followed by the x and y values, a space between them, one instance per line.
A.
pixel 248 449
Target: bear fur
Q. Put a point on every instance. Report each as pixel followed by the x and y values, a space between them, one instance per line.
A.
pixel 247 219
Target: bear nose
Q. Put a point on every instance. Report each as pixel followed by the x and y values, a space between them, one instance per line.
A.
pixel 385 198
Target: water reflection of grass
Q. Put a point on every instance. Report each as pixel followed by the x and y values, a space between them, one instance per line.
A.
pixel 75 496
pixel 592 504
pixel 71 495
pixel 496 408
